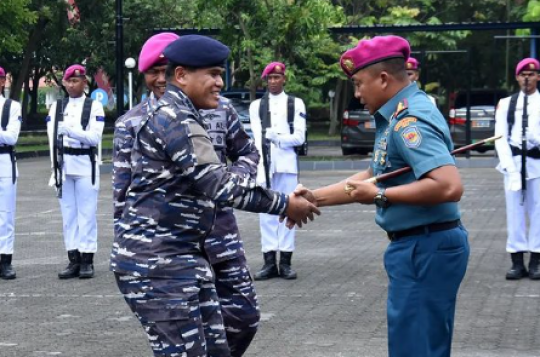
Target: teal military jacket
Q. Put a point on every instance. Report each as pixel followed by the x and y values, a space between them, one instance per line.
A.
pixel 411 132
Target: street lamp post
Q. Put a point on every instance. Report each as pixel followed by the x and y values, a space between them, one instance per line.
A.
pixel 130 64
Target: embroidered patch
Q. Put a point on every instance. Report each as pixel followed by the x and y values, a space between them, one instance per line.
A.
pixel 403 123
pixel 411 137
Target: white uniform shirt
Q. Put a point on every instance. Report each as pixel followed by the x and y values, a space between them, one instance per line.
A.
pixel 78 138
pixel 10 136
pixel 283 156
pixel 509 163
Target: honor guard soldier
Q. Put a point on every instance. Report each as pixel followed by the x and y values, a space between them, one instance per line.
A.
pixel 428 251
pixel 223 246
pixel 178 183
pixel 10 116
pixel 517 119
pixel 75 126
pixel 278 123
pixel 413 71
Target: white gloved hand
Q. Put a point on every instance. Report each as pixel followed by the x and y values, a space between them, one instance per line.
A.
pixel 272 136
pixel 62 129
pixel 514 181
pixel 531 138
pixel 52 181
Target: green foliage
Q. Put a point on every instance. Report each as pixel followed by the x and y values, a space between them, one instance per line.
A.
pixel 15 15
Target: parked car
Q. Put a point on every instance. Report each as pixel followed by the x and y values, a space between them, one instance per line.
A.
pixel 482 103
pixel 241 101
pixel 357 129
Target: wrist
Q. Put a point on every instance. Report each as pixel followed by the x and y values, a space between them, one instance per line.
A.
pixel 380 199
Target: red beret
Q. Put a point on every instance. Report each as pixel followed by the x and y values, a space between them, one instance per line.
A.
pixel 412 63
pixel 273 67
pixel 375 50
pixel 75 70
pixel 152 50
pixel 2 72
pixel 527 64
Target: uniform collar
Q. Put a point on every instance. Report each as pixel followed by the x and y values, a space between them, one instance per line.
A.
pixel 78 99
pixel 277 96
pixel 388 109
pixel 180 98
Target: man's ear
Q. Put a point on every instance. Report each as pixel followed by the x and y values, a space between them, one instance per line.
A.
pixel 180 74
pixel 384 77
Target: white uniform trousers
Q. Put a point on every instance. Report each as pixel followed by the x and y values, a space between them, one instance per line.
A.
pixel 275 236
pixel 79 207
pixel 8 193
pixel 516 217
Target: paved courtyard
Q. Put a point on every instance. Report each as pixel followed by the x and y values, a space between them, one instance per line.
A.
pixel 336 308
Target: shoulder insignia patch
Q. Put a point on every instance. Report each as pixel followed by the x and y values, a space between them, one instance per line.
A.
pixel 411 137
pixel 405 122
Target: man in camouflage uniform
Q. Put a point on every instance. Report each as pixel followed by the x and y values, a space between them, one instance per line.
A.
pixel 178 182
pixel 223 246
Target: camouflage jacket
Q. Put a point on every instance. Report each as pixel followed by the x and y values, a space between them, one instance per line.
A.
pixel 233 144
pixel 177 183
pixel 124 134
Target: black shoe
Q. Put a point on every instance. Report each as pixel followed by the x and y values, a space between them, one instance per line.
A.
pixel 6 269
pixel 87 266
pixel 517 271
pixel 534 266
pixel 74 266
pixel 285 270
pixel 269 269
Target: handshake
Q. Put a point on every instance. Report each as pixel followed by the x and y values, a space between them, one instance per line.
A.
pixel 302 206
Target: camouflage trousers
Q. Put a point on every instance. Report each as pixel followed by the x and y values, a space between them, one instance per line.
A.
pixel 239 305
pixel 181 317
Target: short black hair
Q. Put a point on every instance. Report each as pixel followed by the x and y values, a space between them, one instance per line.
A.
pixel 171 66
pixel 393 66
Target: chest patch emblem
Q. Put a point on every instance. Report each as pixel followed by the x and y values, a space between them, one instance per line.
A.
pixel 411 137
pixel 403 123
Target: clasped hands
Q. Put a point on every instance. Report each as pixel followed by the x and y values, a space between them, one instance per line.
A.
pixel 67 130
pixel 299 210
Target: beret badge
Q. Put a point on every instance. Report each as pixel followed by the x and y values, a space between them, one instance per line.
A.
pixel 348 64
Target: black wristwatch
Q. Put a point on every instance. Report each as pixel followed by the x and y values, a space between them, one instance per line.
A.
pixel 381 200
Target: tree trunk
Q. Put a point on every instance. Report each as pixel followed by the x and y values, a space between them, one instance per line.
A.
pixel 33 43
pixel 334 118
pixel 34 92
pixel 26 97
pixel 251 64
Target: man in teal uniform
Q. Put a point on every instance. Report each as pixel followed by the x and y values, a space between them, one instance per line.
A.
pixel 428 252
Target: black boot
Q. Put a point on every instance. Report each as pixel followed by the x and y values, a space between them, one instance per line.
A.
pixel 87 266
pixel 517 271
pixel 285 270
pixel 74 266
pixel 534 266
pixel 6 269
pixel 269 269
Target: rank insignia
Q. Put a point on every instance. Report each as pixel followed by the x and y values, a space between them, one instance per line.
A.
pixel 405 122
pixel 382 161
pixel 411 137
pixel 401 107
pixel 349 64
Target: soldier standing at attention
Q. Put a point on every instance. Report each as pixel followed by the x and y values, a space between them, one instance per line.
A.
pixel 278 122
pixel 178 182
pixel 223 246
pixel 78 123
pixel 428 251
pixel 10 119
pixel 519 124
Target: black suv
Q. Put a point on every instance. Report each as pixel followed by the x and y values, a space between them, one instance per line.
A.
pixel 357 129
pixel 240 100
pixel 483 103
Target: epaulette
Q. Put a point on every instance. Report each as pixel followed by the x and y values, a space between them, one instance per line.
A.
pixel 402 106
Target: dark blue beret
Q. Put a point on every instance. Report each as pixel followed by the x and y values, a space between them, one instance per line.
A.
pixel 197 51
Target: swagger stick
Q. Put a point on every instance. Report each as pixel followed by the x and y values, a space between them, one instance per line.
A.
pixel 383 177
